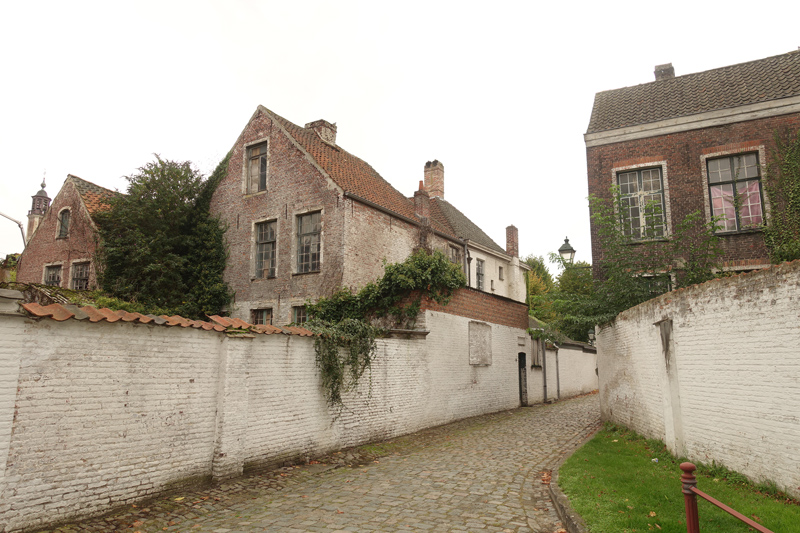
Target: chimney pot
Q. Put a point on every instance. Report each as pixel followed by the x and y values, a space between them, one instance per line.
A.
pixel 664 72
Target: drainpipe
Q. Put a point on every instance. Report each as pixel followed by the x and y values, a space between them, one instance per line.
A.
pixel 558 377
pixel 543 346
pixel 469 262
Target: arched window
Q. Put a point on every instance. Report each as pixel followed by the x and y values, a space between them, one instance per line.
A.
pixel 63 224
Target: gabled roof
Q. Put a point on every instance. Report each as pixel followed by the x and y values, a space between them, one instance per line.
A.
pixel 460 226
pixel 759 81
pixel 352 174
pixel 94 197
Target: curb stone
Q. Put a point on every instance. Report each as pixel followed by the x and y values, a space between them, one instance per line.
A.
pixel 571 520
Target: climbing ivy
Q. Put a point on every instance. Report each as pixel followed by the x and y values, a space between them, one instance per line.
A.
pixel 347 323
pixel 782 233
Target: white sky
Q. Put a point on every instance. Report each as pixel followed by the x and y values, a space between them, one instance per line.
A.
pixel 501 92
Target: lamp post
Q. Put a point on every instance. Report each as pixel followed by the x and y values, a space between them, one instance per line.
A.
pixel 567 252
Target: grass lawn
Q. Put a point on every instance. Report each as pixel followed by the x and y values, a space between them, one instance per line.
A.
pixel 616 485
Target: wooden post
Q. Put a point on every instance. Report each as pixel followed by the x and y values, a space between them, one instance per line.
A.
pixel 688 482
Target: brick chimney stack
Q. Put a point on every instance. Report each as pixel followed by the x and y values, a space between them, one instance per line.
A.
pixel 434 179
pixel 422 202
pixel 664 72
pixel 512 241
pixel 325 130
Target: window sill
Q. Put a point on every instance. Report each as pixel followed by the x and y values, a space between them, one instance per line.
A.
pixel 256 193
pixel 306 273
pixel 262 279
pixel 739 231
pixel 645 241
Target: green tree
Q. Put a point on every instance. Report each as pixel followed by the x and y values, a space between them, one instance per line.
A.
pixel 630 271
pixel 161 246
pixel 782 234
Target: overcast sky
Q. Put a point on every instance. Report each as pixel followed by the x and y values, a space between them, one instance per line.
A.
pixel 500 92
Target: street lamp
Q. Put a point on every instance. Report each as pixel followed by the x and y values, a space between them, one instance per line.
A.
pixel 567 252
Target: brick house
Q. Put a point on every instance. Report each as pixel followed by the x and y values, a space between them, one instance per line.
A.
pixel 305 217
pixel 62 236
pixel 686 143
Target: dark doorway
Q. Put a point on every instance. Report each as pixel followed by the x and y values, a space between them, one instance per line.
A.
pixel 523 379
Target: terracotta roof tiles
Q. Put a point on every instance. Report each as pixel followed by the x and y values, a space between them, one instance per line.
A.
pixel 94 196
pixel 62 312
pixel 352 174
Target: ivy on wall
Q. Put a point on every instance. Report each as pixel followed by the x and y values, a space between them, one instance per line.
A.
pixel 782 233
pixel 347 323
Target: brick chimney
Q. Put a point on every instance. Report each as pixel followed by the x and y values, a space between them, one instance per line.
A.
pixel 512 241
pixel 434 179
pixel 664 72
pixel 325 130
pixel 422 202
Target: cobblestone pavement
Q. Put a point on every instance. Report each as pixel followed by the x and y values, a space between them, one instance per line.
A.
pixel 481 474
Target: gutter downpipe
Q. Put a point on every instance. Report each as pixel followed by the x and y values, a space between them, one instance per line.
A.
pixel 468 259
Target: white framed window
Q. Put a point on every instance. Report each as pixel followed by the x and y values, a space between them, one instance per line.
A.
pixel 735 193
pixel 480 272
pixel 644 205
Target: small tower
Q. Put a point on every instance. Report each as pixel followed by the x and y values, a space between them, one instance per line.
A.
pixel 39 207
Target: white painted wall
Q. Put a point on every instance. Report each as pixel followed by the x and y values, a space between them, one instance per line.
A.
pixel 94 415
pixel 733 392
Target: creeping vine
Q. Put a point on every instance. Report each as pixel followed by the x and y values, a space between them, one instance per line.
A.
pixel 347 323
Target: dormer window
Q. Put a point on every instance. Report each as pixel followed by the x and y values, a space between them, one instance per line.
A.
pixel 257 168
pixel 63 224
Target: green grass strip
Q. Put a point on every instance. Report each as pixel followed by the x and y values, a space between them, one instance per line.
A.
pixel 620 482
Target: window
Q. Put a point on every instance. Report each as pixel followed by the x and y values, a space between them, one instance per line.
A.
pixel 257 168
pixel 734 185
pixel 641 203
pixel 479 270
pixel 500 273
pixel 80 276
pixel 63 224
pixel 309 228
pixel 262 316
pixel 454 253
pixel 480 343
pixel 52 275
pixel 265 249
pixel 299 315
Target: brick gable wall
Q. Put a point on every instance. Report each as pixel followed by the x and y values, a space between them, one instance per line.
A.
pixel 44 248
pixel 687 189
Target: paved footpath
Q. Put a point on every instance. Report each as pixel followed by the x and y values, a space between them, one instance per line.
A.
pixel 481 474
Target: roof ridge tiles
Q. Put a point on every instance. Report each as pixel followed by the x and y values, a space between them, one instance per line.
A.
pixel 61 312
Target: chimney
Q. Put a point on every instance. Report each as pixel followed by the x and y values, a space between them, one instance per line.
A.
pixel 325 130
pixel 664 72
pixel 422 203
pixel 512 241
pixel 39 207
pixel 434 179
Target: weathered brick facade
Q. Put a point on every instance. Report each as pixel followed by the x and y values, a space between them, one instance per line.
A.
pixel 71 249
pixel 364 220
pixel 678 124
pixel 683 156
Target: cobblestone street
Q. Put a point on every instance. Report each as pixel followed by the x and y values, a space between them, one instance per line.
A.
pixel 480 474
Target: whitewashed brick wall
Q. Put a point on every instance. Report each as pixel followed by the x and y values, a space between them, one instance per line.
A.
pixel 733 391
pixel 98 415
